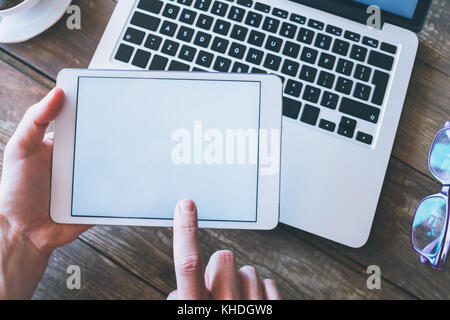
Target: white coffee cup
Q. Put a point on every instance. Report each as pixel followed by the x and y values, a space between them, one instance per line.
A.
pixel 20 7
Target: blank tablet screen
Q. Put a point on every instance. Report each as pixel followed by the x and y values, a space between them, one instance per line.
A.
pixel 143 144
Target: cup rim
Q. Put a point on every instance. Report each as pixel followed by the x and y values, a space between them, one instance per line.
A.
pixel 18 7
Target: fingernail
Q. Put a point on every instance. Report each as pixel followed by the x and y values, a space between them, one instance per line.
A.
pixel 187 206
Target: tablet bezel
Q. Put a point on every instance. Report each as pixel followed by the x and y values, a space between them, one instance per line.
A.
pixel 63 151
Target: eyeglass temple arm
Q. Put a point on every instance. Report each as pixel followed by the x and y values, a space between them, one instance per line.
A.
pixel 429 247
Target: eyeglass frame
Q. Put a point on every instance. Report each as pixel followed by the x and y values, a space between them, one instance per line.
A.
pixel 437 260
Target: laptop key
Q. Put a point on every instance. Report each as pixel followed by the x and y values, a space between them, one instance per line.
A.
pixel 256 38
pixel 124 53
pixel 362 73
pixel 291 49
pixel 219 45
pixel 346 131
pixel 345 67
pixel 340 47
pixel 141 59
pixel 309 55
pixel 240 68
pixel 380 80
pixel 389 48
pixel 204 22
pixel 271 24
pixel 334 30
pixel 256 70
pixel 253 19
pixel 323 41
pixel 237 50
pixel 290 67
pixel 134 36
pixel 288 30
pixel 187 53
pixel 329 100
pixel 308 73
pixel 238 32
pixel 362 91
pixel 219 8
pixel 170 47
pixel 347 122
pixel 185 34
pixel 158 63
pixel 222 27
pixel 245 3
pixel 359 110
pixel 327 61
pixel 305 35
pixel 327 125
pixel 273 44
pixel 280 13
pixel 153 42
pixel 171 11
pixel 352 36
pixel 326 79
pixel 381 60
pixel 236 14
pixel 310 115
pixel 145 21
pixel 202 39
pixel 222 64
pixel 168 28
pixel 185 2
pixel 291 108
pixel 272 62
pixel 344 85
pixel 178 66
pixel 297 18
pixel 188 16
pixel 202 4
pixel 262 7
pixel 153 6
pixel 204 59
pixel 364 138
pixel 293 88
pixel 370 42
pixel 254 56
pixel 311 94
pixel 358 53
pixel 316 24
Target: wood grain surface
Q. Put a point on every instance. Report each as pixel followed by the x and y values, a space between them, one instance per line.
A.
pixel 136 262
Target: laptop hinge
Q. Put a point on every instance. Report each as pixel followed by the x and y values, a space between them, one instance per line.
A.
pixel 342 9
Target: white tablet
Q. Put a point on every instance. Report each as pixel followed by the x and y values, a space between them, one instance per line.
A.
pixel 129 144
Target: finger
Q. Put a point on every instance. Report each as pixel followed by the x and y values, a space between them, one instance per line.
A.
pixel 32 127
pixel 223 281
pixel 249 284
pixel 173 295
pixel 187 255
pixel 270 290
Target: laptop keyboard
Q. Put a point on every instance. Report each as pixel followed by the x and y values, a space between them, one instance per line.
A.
pixel 333 79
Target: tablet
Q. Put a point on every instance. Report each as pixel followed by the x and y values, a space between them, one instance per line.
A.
pixel 128 145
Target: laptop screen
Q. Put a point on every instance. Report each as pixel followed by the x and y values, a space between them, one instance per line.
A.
pixel 404 8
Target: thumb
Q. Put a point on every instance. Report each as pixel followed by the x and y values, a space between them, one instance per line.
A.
pixel 32 127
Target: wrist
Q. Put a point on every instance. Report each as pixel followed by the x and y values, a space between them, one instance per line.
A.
pixel 21 263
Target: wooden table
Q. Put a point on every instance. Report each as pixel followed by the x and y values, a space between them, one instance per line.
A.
pixel 130 262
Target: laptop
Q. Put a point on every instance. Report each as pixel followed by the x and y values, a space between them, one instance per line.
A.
pixel 344 86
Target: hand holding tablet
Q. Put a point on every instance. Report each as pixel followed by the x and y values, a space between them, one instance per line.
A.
pixel 129 145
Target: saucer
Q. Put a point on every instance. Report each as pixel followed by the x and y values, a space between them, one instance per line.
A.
pixel 28 24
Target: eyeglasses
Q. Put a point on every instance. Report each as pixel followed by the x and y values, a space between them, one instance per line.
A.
pixel 430 234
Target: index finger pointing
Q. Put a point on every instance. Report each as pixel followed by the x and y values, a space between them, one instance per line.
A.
pixel 187 255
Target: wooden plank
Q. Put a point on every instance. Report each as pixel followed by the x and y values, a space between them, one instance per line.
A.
pixel 435 37
pixel 301 271
pixel 388 245
pixel 100 277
